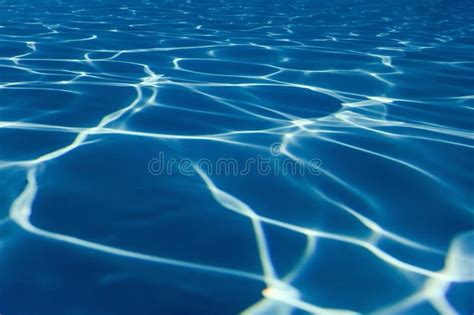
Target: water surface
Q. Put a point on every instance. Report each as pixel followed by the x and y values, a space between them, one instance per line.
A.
pixel 369 104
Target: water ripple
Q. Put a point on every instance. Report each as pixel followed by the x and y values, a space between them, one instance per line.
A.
pixel 379 96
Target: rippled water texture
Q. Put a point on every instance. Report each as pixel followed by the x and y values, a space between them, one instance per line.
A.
pixel 380 93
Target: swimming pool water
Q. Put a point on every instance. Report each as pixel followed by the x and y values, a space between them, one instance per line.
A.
pixel 217 157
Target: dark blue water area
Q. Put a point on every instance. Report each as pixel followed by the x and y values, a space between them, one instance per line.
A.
pixel 225 157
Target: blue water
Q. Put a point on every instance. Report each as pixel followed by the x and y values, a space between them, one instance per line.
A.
pixel 217 157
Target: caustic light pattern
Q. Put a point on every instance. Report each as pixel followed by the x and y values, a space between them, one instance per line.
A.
pixel 381 92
